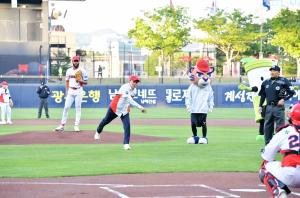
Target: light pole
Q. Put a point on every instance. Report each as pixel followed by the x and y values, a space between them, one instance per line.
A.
pixel 123 62
pixel 131 58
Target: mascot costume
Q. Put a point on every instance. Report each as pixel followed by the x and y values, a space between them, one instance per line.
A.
pixel 257 71
pixel 200 77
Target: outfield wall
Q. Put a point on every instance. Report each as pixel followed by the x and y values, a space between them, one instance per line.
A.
pixel 148 95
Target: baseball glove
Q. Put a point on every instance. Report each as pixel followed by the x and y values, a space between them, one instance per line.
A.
pixel 11 103
pixel 78 76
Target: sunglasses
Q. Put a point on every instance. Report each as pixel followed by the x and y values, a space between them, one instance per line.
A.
pixel 75 61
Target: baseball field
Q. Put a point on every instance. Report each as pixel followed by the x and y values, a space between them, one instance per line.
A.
pixel 33 157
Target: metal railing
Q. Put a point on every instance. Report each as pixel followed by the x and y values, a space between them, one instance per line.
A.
pixel 22 79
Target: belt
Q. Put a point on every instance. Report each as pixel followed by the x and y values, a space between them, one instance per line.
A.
pixel 74 88
pixel 292 152
pixel 272 103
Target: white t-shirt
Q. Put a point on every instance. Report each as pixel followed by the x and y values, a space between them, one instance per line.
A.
pixel 123 99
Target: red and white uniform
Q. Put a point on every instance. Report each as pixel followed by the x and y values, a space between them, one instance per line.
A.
pixel 123 99
pixel 4 104
pixel 75 92
pixel 287 140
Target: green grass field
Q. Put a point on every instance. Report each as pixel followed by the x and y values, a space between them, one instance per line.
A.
pixel 229 149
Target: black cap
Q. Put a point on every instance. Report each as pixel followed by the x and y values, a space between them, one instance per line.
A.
pixel 275 68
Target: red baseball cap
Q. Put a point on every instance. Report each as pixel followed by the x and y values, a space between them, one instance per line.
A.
pixel 4 83
pixel 76 58
pixel 134 78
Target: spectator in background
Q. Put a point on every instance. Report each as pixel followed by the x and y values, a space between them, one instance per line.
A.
pixel 60 73
pixel 43 91
pixel 99 71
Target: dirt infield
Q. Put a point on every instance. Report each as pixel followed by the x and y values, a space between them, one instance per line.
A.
pixel 83 137
pixel 164 185
pixel 177 122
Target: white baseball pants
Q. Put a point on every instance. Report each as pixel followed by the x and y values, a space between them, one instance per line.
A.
pixel 76 95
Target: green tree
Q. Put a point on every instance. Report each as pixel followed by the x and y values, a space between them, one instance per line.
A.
pixel 267 48
pixel 165 30
pixel 231 33
pixel 286 26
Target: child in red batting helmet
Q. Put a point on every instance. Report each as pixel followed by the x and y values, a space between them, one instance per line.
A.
pixel 278 176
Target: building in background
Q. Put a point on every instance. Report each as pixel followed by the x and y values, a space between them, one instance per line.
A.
pixel 24 42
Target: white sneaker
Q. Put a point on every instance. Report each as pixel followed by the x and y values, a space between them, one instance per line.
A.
pixel 2 122
pixel 60 128
pixel 76 128
pixel 203 141
pixel 97 136
pixel 282 194
pixel 9 122
pixel 126 147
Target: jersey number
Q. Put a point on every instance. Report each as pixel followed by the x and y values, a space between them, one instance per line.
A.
pixel 294 141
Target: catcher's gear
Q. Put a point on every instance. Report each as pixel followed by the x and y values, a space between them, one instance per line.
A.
pixel 78 76
pixel 11 103
pixel 294 114
pixel 275 186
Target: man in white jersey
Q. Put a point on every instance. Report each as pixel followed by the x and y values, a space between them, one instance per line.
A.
pixel 76 77
pixel 276 175
pixel 5 104
pixel 120 107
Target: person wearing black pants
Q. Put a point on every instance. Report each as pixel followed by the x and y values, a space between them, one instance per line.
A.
pixel 43 91
pixel 110 116
pixel 275 90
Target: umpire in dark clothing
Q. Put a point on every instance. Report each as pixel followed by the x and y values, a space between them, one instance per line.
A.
pixel 43 91
pixel 275 90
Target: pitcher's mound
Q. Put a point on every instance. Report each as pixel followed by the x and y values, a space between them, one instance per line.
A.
pixel 83 137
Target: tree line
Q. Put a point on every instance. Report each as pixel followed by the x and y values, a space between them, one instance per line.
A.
pixel 165 31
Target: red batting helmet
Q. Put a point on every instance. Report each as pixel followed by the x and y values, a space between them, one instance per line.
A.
pixel 295 114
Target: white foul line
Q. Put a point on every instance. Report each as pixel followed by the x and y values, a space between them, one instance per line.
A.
pixel 127 186
pixel 217 190
pixel 58 183
pixel 297 194
pixel 248 190
pixel 121 195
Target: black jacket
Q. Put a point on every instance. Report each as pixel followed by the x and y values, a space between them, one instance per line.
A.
pixel 43 91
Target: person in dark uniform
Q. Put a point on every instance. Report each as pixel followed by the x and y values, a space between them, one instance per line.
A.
pixel 43 91
pixel 276 91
